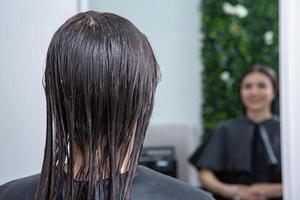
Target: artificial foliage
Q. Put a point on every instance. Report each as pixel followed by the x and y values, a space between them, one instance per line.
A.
pixel 236 35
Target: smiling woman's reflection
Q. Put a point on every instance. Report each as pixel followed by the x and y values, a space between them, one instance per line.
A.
pixel 241 159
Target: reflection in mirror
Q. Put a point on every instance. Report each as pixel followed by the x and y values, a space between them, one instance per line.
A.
pixel 240 157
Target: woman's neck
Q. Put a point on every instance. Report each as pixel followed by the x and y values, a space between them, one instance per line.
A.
pixel 258 116
pixel 78 162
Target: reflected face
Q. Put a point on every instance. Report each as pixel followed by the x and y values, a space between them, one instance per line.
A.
pixel 257 92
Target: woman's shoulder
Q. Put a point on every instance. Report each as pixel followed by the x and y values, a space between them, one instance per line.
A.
pixel 233 123
pixel 275 119
pixel 149 184
pixel 20 189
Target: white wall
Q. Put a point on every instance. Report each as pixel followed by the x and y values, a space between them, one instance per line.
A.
pixel 172 27
pixel 26 30
pixel 290 96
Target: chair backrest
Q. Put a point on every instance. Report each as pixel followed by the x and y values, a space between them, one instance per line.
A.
pixel 184 138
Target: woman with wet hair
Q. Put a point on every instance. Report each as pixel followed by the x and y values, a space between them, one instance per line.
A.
pixel 241 159
pixel 100 80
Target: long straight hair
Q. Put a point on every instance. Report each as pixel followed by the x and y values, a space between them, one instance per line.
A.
pixel 100 80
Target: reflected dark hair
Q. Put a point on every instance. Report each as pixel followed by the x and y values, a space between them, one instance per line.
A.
pixel 269 72
pixel 100 80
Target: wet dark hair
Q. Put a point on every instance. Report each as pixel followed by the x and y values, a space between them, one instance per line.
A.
pixel 269 72
pixel 100 80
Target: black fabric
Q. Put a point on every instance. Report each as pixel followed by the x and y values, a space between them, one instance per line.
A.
pixel 236 153
pixel 260 166
pixel 147 185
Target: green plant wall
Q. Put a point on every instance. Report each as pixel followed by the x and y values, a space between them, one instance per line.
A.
pixel 236 34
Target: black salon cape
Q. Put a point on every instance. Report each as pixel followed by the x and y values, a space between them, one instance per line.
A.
pixel 147 185
pixel 228 152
